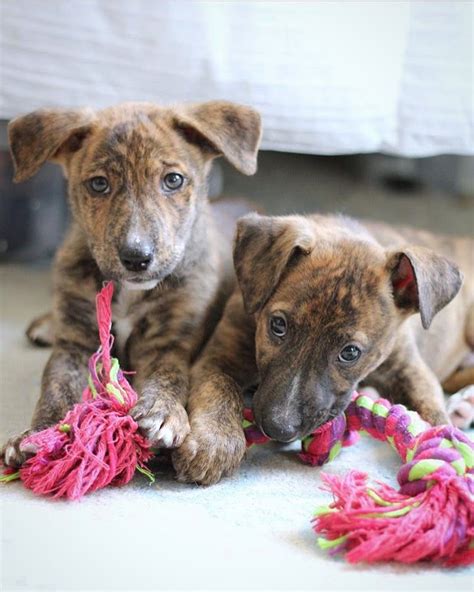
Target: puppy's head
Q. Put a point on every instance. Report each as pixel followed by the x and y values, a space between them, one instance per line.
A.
pixel 327 303
pixel 136 174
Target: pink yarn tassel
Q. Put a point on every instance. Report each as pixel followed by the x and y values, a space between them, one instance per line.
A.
pixel 380 524
pixel 98 442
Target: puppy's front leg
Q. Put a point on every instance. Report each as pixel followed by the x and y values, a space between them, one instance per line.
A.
pixel 216 444
pixel 160 350
pixel 65 374
pixel 162 380
pixel 64 379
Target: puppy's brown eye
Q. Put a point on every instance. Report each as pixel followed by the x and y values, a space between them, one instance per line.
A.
pixel 349 354
pixel 173 181
pixel 278 325
pixel 99 185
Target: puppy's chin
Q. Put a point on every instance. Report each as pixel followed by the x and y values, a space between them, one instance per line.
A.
pixel 149 285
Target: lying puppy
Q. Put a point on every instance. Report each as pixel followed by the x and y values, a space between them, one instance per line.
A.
pixel 325 304
pixel 137 176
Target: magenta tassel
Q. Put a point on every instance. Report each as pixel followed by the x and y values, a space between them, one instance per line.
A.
pixel 98 442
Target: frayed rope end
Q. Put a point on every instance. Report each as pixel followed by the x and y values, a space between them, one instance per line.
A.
pixel 381 524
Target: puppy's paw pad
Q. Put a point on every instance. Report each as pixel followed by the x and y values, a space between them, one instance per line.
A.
pixel 461 408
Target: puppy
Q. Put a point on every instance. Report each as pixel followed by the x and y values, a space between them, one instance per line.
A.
pixel 137 184
pixel 325 304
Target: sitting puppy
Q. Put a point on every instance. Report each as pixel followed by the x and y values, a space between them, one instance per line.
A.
pixel 326 304
pixel 137 177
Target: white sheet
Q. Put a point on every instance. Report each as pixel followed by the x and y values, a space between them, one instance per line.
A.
pixel 328 77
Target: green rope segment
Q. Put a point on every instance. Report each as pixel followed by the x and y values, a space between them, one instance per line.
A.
pixel 147 473
pixel 10 477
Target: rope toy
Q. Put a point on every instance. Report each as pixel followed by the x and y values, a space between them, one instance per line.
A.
pixel 98 442
pixel 430 518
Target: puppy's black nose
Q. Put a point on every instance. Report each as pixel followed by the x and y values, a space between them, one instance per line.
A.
pixel 280 433
pixel 136 258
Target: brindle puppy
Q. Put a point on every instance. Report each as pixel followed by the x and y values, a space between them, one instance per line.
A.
pixel 325 304
pixel 137 176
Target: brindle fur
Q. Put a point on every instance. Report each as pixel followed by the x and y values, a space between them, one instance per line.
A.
pixel 338 281
pixel 158 330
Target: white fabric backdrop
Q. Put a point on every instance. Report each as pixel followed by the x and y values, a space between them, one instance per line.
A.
pixel 328 77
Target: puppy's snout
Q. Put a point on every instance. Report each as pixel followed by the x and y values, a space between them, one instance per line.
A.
pixel 136 257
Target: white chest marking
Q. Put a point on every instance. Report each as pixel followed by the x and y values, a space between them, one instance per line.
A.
pixel 122 330
pixel 122 317
pixel 123 321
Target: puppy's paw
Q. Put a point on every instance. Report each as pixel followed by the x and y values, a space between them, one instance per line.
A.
pixel 40 331
pixel 461 408
pixel 209 453
pixel 16 452
pixel 165 425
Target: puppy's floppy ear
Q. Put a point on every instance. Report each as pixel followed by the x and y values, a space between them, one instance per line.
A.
pixel 40 136
pixel 423 281
pixel 263 248
pixel 223 128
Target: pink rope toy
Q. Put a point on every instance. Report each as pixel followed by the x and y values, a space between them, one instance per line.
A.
pixel 98 442
pixel 430 518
